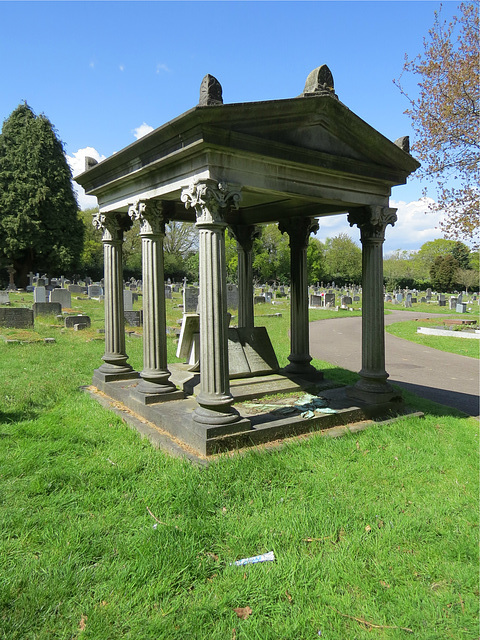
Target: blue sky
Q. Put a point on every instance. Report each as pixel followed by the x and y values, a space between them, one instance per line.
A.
pixel 104 72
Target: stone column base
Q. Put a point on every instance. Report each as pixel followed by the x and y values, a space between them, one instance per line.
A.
pixel 373 391
pixel 152 398
pixel 102 376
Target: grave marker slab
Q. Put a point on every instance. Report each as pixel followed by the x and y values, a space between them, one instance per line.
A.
pixel 71 321
pixel 40 294
pixel 63 296
pixel 94 291
pixel 232 296
pixel 4 297
pixel 127 300
pixel 134 318
pixel 190 299
pixel 16 318
pixel 46 308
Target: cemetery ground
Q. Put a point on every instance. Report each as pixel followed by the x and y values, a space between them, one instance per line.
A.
pixel 375 534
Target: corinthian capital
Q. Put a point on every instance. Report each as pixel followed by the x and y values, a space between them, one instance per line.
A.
pixel 372 221
pixel 151 215
pixel 299 230
pixel 211 200
pixel 109 224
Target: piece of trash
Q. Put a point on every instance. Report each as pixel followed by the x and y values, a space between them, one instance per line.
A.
pixel 308 399
pixel 264 557
pixel 306 415
pixel 325 410
pixel 155 526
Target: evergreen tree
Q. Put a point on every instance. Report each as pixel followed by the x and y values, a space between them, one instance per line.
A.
pixel 40 226
pixel 443 272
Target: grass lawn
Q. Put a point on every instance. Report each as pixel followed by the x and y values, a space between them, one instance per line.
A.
pixel 460 346
pixel 375 535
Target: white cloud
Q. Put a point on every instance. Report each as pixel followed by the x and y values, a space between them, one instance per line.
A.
pixel 121 67
pixel 415 225
pixel 142 130
pixel 77 165
pixel 163 67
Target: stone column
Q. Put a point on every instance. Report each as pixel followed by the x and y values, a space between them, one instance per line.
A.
pixel 115 365
pixel 155 384
pixel 373 385
pixel 211 201
pixel 245 235
pixel 299 230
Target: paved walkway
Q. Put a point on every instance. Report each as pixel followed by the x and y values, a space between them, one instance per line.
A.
pixel 446 378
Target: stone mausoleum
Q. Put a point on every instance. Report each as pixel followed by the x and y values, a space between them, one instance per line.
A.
pixel 237 166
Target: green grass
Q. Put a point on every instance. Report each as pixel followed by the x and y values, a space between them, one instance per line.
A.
pixel 460 346
pixel 379 526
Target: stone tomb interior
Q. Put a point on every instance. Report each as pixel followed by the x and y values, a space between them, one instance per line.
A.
pixel 238 166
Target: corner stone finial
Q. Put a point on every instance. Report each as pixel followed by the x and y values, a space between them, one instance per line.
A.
pixel 403 143
pixel 210 92
pixel 319 83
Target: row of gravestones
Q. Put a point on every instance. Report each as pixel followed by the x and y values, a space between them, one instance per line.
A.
pixel 23 318
pixel 328 300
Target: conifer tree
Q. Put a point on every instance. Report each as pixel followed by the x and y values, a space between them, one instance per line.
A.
pixel 40 226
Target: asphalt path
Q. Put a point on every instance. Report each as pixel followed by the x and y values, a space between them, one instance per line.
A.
pixel 446 378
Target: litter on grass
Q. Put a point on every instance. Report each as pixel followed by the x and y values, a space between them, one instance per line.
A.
pixel 308 405
pixel 264 557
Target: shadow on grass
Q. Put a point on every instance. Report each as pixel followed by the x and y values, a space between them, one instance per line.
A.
pixel 8 417
pixel 438 402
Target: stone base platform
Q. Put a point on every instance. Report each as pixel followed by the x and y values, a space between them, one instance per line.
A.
pixel 169 425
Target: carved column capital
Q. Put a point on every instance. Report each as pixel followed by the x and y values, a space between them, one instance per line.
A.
pixel 299 230
pixel 151 214
pixel 211 200
pixel 372 221
pixel 244 235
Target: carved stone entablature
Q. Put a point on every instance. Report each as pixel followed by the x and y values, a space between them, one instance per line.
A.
pixel 211 200
pixel 299 230
pixel 319 83
pixel 372 221
pixel 210 92
pixel 244 235
pixel 151 214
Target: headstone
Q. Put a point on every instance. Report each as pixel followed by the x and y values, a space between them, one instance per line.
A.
pixel 30 276
pixel 453 303
pixel 75 288
pixel 399 297
pixel 460 298
pixel 16 318
pixel 46 308
pixel 4 297
pixel 259 300
pixel 63 296
pixel 461 307
pixel 190 299
pixel 232 296
pixel 414 300
pixel 316 301
pixel 40 294
pixel 127 300
pixel 423 299
pixel 250 352
pixel 94 291
pixel 268 297
pixel 30 288
pixel 357 298
pixel 329 299
pixel 346 301
pixel 41 282
pixel 71 321
pixel 168 292
pixel 186 342
pixel 134 318
pixel 442 303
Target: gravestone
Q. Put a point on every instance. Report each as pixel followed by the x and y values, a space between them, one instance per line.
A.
pixel 250 353
pixel 268 297
pixel 453 303
pixel 127 300
pixel 75 288
pixel 232 296
pixel 30 288
pixel 16 318
pixel 346 301
pixel 40 294
pixel 168 292
pixel 357 298
pixel 4 297
pixel 316 301
pixel 188 342
pixel 414 300
pixel 71 321
pixel 46 308
pixel 399 297
pixel 388 298
pixel 94 291
pixel 329 299
pixel 190 299
pixel 63 296
pixel 423 299
pixel 259 300
pixel 41 282
pixel 134 318
pixel 461 307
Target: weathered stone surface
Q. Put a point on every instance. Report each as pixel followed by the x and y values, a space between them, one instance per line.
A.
pixel 16 318
pixel 63 296
pixel 71 321
pixel 46 308
pixel 250 352
pixel 134 318
pixel 190 299
pixel 4 297
pixel 210 92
